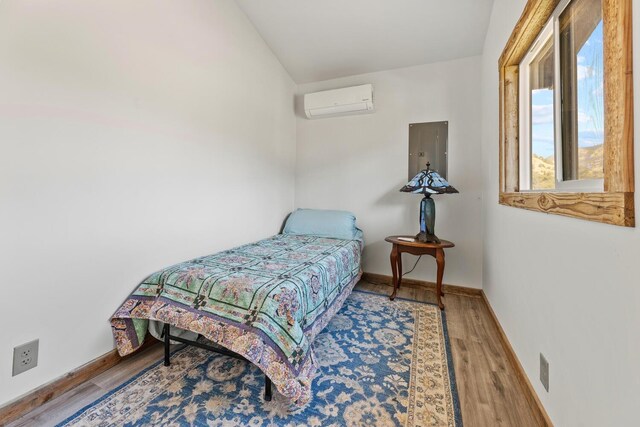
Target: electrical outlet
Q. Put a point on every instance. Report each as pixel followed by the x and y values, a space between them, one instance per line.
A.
pixel 544 372
pixel 25 357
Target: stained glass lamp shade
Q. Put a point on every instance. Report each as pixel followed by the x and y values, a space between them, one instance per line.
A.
pixel 428 182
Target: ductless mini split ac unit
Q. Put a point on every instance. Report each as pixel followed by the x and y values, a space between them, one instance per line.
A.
pixel 339 102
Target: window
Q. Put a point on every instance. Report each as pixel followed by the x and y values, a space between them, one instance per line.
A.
pixel 565 147
pixel 537 119
pixel 562 131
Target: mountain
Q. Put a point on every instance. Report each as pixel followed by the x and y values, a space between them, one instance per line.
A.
pixel 543 172
pixel 591 162
pixel 590 166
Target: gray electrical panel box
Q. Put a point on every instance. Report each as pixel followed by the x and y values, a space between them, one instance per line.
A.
pixel 428 143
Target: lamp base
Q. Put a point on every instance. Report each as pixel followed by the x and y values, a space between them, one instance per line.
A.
pixel 427 238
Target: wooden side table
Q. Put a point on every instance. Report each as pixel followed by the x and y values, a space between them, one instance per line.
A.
pixel 436 250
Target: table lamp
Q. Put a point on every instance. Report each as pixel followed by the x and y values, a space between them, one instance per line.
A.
pixel 428 182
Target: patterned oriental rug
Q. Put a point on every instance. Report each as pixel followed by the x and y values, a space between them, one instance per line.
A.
pixel 383 363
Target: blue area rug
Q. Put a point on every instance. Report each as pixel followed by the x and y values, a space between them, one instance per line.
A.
pixel 383 363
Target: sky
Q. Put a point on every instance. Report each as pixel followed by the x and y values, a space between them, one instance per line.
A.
pixel 590 101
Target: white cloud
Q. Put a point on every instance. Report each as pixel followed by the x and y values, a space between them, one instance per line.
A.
pixel 583 117
pixel 599 90
pixel 542 114
pixel 585 72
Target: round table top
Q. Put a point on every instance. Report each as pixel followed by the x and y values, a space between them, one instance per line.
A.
pixel 415 243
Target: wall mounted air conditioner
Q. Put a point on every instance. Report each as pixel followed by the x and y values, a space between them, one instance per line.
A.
pixel 339 102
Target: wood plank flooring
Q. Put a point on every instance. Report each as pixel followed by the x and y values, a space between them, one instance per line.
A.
pixel 488 387
pixel 489 391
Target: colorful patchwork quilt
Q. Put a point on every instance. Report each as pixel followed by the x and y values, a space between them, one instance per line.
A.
pixel 265 301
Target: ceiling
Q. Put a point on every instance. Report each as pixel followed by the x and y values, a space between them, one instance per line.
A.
pixel 320 40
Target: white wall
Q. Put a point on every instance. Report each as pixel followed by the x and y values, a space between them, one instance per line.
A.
pixel 561 286
pixel 133 135
pixel 359 163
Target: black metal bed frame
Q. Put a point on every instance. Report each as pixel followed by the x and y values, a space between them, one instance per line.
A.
pixel 166 334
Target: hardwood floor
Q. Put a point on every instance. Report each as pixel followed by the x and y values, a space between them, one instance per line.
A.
pixel 488 387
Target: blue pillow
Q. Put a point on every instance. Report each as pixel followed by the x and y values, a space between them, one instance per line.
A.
pixel 323 223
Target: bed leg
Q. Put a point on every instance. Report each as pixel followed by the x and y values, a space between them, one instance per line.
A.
pixel 167 345
pixel 267 388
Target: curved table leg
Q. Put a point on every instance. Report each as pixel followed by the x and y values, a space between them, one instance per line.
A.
pixel 399 268
pixel 394 269
pixel 440 262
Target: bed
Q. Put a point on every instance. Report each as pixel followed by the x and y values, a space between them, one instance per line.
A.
pixel 264 302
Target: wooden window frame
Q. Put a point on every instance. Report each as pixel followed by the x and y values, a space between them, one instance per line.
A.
pixel 615 205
